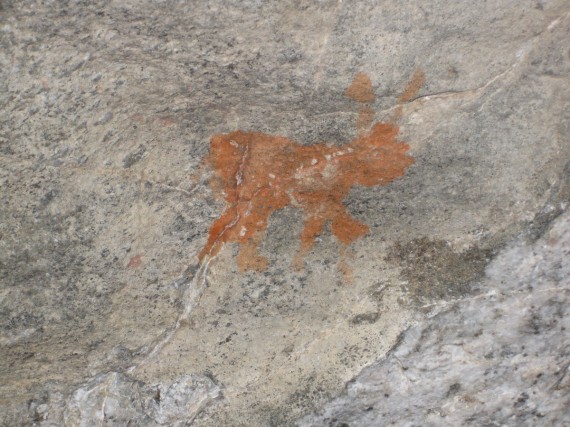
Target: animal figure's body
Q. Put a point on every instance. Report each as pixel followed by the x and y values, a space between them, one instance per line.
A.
pixel 262 173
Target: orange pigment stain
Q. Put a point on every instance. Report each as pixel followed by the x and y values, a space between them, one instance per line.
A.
pixel 414 86
pixel 365 118
pixel 410 92
pixel 260 174
pixel 361 89
pixel 135 262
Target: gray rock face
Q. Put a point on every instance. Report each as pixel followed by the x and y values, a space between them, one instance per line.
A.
pixel 107 110
pixel 116 399
pixel 497 358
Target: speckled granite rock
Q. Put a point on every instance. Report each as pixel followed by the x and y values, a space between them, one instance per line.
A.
pixel 115 399
pixel 498 358
pixel 106 114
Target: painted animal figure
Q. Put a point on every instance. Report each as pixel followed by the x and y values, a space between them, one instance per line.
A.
pixel 260 174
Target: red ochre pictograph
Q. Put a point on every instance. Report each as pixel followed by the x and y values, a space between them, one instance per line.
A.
pixel 260 173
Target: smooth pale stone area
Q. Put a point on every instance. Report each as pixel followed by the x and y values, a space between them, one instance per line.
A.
pixel 108 195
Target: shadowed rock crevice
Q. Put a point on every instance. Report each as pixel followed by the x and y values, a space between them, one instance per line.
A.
pixel 559 199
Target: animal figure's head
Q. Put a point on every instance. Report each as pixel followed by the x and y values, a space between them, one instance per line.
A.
pixel 379 157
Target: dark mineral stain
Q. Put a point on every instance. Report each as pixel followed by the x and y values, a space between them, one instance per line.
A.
pixel 259 173
pixel 134 157
pixel 453 389
pixel 365 318
pixel 435 271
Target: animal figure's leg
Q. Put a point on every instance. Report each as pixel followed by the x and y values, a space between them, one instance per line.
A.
pixel 255 216
pixel 343 264
pixel 220 232
pixel 346 228
pixel 313 227
pixel 249 257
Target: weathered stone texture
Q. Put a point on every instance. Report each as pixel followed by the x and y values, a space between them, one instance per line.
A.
pixel 107 110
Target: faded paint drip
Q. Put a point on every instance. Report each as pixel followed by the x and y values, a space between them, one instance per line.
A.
pixel 365 118
pixel 261 173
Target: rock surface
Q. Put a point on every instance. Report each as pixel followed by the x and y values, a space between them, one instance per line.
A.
pixel 497 358
pixel 107 110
